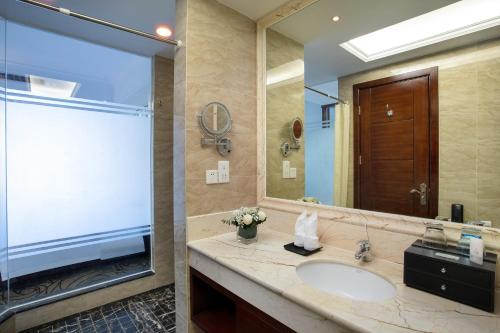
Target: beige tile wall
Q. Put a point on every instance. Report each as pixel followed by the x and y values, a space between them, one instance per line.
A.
pixel 216 63
pixel 163 226
pixel 221 66
pixel 283 104
pixel 180 66
pixel 204 226
pixel 469 122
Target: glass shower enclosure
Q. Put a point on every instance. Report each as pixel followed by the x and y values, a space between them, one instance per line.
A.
pixel 76 203
pixel 4 284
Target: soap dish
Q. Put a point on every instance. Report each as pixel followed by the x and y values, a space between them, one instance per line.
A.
pixel 300 250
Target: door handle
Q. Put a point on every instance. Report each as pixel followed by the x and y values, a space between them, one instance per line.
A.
pixel 422 192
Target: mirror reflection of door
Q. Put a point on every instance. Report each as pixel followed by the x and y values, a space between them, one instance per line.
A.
pixel 395 142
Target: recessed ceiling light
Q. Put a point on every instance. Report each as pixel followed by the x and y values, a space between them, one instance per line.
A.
pixel 163 31
pixel 455 20
pixel 52 87
pixel 336 18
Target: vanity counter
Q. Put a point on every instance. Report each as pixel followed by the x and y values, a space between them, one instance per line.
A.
pixel 269 265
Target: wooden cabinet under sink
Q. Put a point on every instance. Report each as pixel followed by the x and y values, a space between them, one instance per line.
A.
pixel 215 309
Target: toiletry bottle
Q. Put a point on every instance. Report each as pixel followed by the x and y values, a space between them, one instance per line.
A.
pixel 457 213
pixel 467 234
pixel 476 250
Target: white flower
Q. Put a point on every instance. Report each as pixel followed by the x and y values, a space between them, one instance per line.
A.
pixel 236 212
pixel 262 216
pixel 247 219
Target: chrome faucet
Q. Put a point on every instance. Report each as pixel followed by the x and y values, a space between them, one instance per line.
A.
pixel 363 252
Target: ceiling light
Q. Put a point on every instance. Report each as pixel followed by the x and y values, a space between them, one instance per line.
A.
pixel 52 88
pixel 163 31
pixel 336 18
pixel 290 72
pixel 455 20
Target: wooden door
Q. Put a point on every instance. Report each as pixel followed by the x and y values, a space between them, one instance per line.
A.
pixel 396 144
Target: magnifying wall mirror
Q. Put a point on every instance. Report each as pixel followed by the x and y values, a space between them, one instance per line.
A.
pixel 296 131
pixel 215 121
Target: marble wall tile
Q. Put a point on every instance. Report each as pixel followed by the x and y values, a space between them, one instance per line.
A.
pixel 179 161
pixel 204 159
pixel 209 225
pixel 283 104
pixel 488 187
pixel 239 192
pixel 216 63
pixel 221 66
pixel 458 181
pixel 163 171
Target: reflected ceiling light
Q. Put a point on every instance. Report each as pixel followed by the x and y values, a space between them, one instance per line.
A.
pixel 336 18
pixel 163 31
pixel 52 88
pixel 455 20
pixel 290 72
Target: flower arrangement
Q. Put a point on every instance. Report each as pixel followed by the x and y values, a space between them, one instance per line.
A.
pixel 246 217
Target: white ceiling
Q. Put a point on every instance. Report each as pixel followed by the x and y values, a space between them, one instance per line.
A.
pixel 325 60
pixel 140 15
pixel 253 9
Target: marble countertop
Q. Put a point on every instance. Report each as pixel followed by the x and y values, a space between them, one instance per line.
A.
pixel 269 265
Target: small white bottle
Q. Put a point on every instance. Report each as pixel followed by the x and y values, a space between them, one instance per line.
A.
pixel 476 250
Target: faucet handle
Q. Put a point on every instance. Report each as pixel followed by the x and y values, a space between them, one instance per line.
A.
pixel 363 252
pixel 364 244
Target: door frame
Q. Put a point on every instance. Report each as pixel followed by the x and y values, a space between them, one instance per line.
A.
pixel 432 75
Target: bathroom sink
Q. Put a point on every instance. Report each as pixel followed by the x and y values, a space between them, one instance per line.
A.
pixel 347 281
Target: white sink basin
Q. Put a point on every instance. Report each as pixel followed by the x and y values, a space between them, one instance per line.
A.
pixel 346 281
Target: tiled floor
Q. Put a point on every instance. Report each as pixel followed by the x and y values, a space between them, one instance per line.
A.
pixel 153 311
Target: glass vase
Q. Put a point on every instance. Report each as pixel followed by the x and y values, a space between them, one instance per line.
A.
pixel 247 235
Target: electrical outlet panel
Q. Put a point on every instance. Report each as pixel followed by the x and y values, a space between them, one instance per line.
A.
pixel 212 177
pixel 223 171
pixel 293 173
pixel 286 169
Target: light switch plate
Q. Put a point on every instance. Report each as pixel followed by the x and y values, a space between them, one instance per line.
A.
pixel 212 177
pixel 223 171
pixel 293 172
pixel 286 169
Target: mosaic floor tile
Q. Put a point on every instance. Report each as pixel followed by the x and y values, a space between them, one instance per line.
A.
pixel 153 311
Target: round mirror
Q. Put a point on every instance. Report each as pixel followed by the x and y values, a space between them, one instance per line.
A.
pixel 297 129
pixel 215 119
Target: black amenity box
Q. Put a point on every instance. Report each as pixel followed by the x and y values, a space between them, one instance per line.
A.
pixel 448 273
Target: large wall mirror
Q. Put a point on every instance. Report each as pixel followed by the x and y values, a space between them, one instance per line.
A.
pixel 393 121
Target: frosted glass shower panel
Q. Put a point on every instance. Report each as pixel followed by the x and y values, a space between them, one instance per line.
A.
pixel 79 156
pixel 3 197
pixel 75 172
